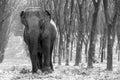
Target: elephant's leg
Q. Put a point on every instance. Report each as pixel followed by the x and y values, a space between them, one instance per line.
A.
pixel 34 69
pixel 40 60
pixel 46 53
pixel 34 59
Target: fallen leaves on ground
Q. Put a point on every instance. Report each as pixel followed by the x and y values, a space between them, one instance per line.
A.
pixel 62 72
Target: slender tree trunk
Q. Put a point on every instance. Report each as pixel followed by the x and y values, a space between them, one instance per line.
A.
pixel 101 48
pixel 78 53
pixel 111 38
pixel 80 33
pixel 86 49
pixel 102 57
pixel 91 51
pixel 67 52
pixel 118 47
pixel 54 55
pixel 68 22
pixel 110 33
pixel 110 47
pixel 118 38
pixel 103 45
pixel 67 29
pixel 57 16
pixel 60 50
pixel 64 50
pixel 68 45
pixel 71 49
pixel 102 51
pixel 4 15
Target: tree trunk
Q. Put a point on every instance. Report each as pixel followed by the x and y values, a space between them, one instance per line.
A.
pixel 118 46
pixel 91 51
pixel 110 47
pixel 103 45
pixel 60 50
pixel 67 52
pixel 111 38
pixel 80 33
pixel 54 54
pixel 86 48
pixel 68 22
pixel 102 56
pixel 110 33
pixel 71 49
pixel 118 38
pixel 64 50
pixel 57 15
pixel 78 53
pixel 4 15
pixel 101 48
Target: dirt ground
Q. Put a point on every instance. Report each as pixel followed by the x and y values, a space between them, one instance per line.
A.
pixel 16 66
pixel 21 70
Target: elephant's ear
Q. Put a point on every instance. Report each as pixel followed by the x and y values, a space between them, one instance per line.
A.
pixel 22 14
pixel 48 15
pixel 23 19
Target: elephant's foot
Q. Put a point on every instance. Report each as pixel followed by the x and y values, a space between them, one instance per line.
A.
pixel 39 66
pixel 34 70
pixel 47 70
pixel 52 68
pixel 39 72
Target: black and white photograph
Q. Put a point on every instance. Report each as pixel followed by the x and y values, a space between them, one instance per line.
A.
pixel 59 39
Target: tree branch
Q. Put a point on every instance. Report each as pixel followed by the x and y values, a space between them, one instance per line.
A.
pixel 107 17
pixel 94 2
pixel 115 13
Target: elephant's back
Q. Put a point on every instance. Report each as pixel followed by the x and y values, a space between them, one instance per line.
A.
pixel 33 9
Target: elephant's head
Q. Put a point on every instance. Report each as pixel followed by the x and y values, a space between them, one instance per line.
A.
pixel 35 18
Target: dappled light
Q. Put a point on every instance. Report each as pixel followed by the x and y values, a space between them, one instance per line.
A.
pixel 59 40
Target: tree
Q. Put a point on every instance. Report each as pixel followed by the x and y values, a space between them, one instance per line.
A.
pixel 118 28
pixel 59 19
pixel 4 15
pixel 79 31
pixel 110 23
pixel 68 13
pixel 91 52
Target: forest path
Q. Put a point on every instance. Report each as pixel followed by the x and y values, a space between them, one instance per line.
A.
pixel 16 69
pixel 16 66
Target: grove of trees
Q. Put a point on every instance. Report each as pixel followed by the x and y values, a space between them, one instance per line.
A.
pixel 80 24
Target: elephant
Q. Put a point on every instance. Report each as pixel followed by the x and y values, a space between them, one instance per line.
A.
pixel 39 35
